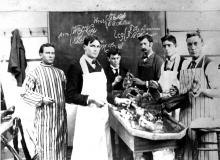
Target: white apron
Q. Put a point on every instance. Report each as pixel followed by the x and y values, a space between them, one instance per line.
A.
pixel 167 79
pixel 92 131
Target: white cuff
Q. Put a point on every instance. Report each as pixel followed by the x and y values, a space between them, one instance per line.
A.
pixel 147 83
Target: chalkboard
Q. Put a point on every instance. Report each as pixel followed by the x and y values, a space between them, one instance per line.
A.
pixel 114 28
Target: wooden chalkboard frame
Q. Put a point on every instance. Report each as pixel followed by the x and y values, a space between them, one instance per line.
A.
pixel 114 28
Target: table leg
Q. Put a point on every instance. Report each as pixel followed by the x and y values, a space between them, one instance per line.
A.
pixel 138 156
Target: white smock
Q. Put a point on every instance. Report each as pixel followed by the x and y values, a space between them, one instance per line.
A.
pixel 92 132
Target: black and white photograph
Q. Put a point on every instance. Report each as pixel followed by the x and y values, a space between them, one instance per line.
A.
pixel 110 80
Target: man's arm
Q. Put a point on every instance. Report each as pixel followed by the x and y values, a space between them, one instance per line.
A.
pixel 74 86
pixel 29 94
pixel 158 63
pixel 213 75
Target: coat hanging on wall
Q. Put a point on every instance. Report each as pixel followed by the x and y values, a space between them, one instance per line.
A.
pixel 17 61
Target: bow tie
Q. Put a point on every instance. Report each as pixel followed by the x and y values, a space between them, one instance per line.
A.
pixel 94 61
pixel 145 56
pixel 115 71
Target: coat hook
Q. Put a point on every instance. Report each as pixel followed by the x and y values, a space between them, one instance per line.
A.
pixel 30 31
pixel 44 32
pixel 168 31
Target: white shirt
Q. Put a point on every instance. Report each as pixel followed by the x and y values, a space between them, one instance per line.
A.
pixel 89 60
pixel 114 69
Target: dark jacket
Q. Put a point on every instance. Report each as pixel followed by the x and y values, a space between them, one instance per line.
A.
pixel 17 61
pixel 150 69
pixel 74 86
pixel 111 77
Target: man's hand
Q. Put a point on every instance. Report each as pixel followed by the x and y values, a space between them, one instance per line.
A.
pixel 117 80
pixel 47 100
pixel 196 94
pixel 173 90
pixel 98 103
pixel 138 81
pixel 153 84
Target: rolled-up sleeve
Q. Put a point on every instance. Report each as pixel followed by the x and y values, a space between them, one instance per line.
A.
pixel 30 92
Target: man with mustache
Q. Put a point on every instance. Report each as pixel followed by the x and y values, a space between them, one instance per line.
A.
pixel 149 66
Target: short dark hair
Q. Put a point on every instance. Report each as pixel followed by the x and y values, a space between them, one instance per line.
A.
pixel 192 34
pixel 170 38
pixel 113 51
pixel 90 39
pixel 147 36
pixel 41 50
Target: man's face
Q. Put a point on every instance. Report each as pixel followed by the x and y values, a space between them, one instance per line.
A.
pixel 48 55
pixel 146 46
pixel 115 60
pixel 194 45
pixel 92 49
pixel 169 48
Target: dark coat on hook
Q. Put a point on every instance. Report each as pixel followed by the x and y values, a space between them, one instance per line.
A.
pixel 17 61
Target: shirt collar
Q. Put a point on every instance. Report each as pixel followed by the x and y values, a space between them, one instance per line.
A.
pixel 113 67
pixel 89 60
pixel 198 59
pixel 45 65
pixel 149 54
pixel 172 58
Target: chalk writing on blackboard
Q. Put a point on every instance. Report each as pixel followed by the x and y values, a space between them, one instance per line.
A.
pixel 121 30
pixel 112 19
pixel 133 31
pixel 78 33
pixel 114 29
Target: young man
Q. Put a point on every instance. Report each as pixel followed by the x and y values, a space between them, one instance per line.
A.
pixel 115 72
pixel 170 69
pixel 87 87
pixel 204 98
pixel 44 89
pixel 169 82
pixel 149 65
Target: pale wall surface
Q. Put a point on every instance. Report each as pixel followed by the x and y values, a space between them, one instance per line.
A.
pixel 97 5
pixel 179 23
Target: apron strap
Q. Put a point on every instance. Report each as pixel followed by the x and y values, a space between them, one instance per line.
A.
pixel 83 65
pixel 203 62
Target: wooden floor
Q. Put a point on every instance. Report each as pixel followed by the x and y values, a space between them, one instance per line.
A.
pixel 120 152
pixel 6 155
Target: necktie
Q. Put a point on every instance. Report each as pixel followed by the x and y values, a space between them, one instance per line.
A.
pixel 169 65
pixel 95 62
pixel 193 64
pixel 116 72
pixel 145 57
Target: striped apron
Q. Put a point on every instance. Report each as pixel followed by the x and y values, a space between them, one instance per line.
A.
pixel 199 107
